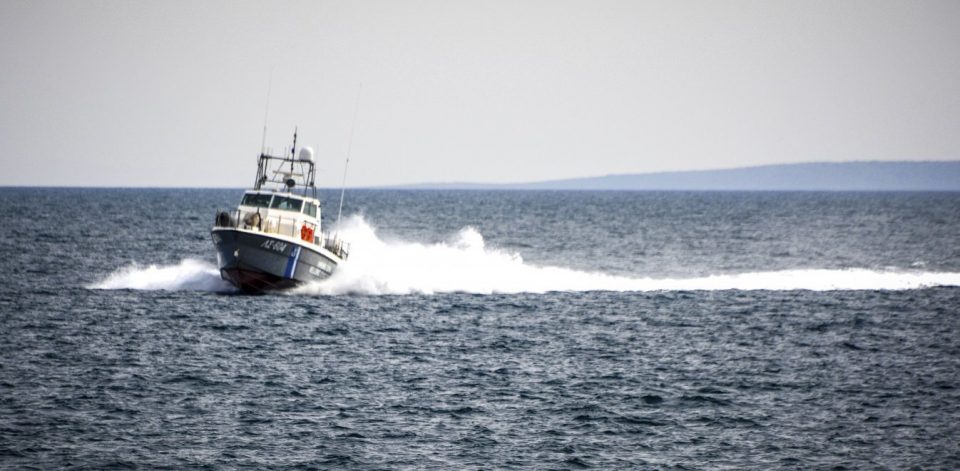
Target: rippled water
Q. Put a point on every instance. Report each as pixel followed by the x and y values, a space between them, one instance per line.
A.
pixel 489 330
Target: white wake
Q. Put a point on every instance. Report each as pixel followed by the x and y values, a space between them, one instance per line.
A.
pixel 464 264
pixel 189 274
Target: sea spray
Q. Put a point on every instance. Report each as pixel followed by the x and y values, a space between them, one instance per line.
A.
pixel 464 263
pixel 189 274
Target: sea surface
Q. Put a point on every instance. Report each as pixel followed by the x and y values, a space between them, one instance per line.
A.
pixel 488 330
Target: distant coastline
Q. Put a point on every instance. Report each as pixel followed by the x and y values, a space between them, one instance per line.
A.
pixel 819 176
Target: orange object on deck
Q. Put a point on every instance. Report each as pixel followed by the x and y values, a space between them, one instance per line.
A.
pixel 306 233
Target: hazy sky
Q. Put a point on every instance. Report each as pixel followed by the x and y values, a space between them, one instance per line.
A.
pixel 172 93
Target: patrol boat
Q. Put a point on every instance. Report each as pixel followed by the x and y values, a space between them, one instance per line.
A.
pixel 273 240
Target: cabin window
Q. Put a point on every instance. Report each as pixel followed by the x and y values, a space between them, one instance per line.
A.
pixel 255 199
pixel 310 209
pixel 286 204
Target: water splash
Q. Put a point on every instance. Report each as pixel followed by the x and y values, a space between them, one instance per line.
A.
pixel 188 275
pixel 465 264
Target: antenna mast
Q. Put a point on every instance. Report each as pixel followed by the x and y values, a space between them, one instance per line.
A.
pixel 293 150
pixel 343 185
pixel 266 112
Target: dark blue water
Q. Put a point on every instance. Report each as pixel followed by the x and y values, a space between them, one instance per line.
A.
pixel 488 330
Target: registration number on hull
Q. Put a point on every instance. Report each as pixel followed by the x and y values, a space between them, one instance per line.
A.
pixel 274 245
pixel 322 271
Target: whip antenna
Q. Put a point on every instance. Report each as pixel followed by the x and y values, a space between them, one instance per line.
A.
pixel 343 185
pixel 266 112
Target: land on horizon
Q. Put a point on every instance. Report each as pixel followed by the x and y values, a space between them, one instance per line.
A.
pixel 814 176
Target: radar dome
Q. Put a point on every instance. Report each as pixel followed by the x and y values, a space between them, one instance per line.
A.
pixel 306 154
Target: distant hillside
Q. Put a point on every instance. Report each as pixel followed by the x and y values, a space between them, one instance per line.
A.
pixel 848 176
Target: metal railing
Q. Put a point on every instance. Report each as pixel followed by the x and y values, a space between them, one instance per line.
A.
pixel 282 226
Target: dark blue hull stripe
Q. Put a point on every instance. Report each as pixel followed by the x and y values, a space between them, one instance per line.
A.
pixel 292 262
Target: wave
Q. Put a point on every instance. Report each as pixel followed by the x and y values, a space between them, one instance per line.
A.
pixel 464 264
pixel 188 275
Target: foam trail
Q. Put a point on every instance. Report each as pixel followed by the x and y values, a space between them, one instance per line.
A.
pixel 188 275
pixel 464 264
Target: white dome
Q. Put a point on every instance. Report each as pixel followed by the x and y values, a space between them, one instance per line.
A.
pixel 306 154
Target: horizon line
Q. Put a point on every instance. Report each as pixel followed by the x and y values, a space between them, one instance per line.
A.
pixel 506 185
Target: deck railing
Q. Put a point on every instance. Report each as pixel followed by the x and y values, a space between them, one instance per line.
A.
pixel 289 226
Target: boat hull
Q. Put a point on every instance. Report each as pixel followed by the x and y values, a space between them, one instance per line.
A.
pixel 255 262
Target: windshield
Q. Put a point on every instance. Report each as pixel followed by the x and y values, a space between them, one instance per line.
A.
pixel 286 204
pixel 254 199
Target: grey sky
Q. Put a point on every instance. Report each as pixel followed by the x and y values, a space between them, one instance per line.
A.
pixel 172 93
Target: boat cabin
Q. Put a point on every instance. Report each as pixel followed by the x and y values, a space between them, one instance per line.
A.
pixel 285 214
pixel 284 202
pixel 292 203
